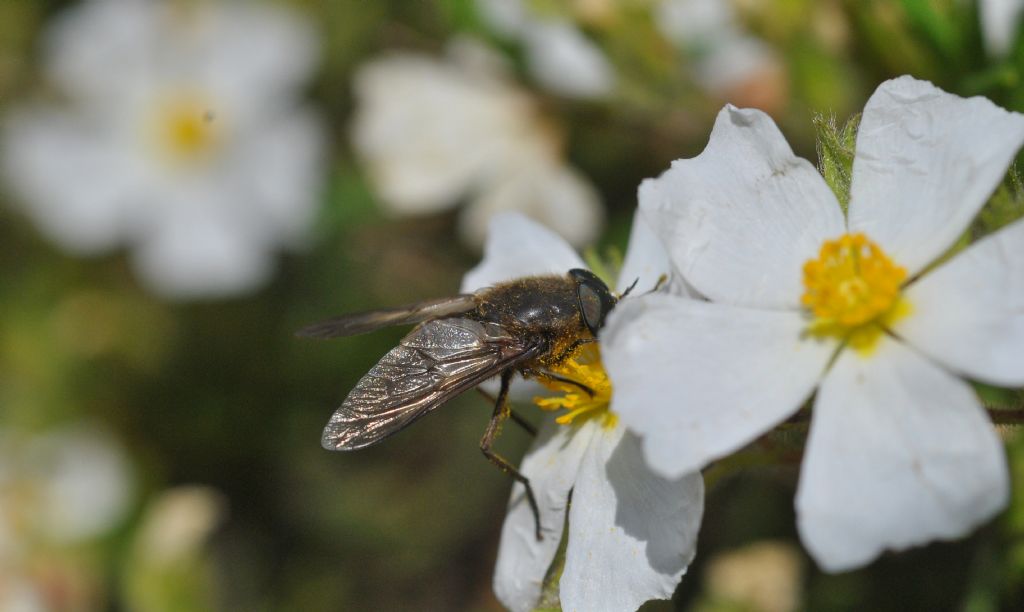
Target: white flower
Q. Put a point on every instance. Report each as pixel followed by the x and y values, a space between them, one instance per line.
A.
pixel 764 576
pixel 177 523
pixel 61 487
pixel 1000 22
pixel 900 451
pixel 726 56
pixel 182 138
pixel 19 594
pixel 558 55
pixel 631 533
pixel 433 132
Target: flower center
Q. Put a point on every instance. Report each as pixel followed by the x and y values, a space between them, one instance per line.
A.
pixel 852 288
pixel 584 368
pixel 184 127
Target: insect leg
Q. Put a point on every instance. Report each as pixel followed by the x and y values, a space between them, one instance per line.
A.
pixel 558 378
pixel 502 412
pixel 518 418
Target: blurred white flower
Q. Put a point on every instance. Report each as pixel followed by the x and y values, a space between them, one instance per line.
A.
pixel 178 523
pixel 900 450
pixel 1000 22
pixel 433 132
pixel 631 533
pixel 182 137
pixel 19 594
pixel 558 55
pixel 726 57
pixel 761 577
pixel 556 196
pixel 60 487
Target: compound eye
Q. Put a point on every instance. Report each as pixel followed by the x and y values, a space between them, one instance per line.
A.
pixel 590 304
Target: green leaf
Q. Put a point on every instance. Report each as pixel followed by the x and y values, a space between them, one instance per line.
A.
pixel 836 146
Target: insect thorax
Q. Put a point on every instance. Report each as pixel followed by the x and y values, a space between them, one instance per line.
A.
pixel 540 304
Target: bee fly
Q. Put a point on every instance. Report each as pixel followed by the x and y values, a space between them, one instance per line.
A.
pixel 525 325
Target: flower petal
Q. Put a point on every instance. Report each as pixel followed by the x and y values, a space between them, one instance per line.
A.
pixel 647 260
pixel 545 190
pixel 250 47
pixel 429 131
pixel 632 533
pixel 86 484
pixel 276 175
pixel 699 380
pixel 96 51
pixel 900 453
pixel 518 246
pixel 199 251
pixel 741 218
pixel 551 464
pixel 926 162
pixel 1000 20
pixel 564 61
pixel 508 18
pixel 969 313
pixel 76 181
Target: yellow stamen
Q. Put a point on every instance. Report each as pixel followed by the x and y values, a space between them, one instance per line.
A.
pixel 853 291
pixel 584 368
pixel 184 127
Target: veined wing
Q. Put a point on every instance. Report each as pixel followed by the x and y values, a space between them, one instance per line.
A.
pixel 362 322
pixel 434 363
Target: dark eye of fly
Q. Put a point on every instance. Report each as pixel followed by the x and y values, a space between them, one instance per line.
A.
pixel 595 300
pixel 590 304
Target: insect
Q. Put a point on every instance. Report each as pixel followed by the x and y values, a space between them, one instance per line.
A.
pixel 525 325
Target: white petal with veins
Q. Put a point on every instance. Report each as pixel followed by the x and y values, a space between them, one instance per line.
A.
pixel 900 453
pixel 632 533
pixel 968 314
pixel 926 162
pixel 698 380
pixel 551 465
pixel 741 218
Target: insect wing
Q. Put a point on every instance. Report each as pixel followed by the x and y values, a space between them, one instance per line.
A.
pixel 362 322
pixel 432 364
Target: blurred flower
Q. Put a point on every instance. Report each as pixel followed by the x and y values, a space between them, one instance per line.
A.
pixel 19 595
pixel 900 450
pixel 1000 22
pixel 558 55
pixel 729 62
pixel 431 132
pixel 168 568
pixel 178 522
pixel 58 489
pixel 182 137
pixel 631 533
pixel 759 577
